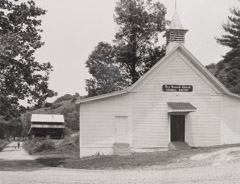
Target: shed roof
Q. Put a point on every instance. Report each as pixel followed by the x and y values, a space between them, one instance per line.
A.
pixel 51 118
pixel 181 107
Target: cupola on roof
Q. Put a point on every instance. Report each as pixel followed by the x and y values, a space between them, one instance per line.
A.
pixel 176 33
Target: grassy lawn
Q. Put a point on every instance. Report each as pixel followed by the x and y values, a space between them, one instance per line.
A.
pixel 136 160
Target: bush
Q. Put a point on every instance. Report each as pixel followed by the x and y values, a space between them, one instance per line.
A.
pixel 37 145
pixel 55 106
pixel 69 145
pixel 3 144
pixel 67 131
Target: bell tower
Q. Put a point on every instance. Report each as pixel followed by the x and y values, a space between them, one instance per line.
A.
pixel 176 33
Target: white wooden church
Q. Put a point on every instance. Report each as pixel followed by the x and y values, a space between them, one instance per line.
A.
pixel 177 101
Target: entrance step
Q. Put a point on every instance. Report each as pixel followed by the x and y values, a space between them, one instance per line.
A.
pixel 179 146
pixel 121 149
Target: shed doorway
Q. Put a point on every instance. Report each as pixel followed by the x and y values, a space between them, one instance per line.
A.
pixel 121 129
pixel 177 128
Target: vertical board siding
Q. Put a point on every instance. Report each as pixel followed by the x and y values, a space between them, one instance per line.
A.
pixel 231 121
pixel 150 117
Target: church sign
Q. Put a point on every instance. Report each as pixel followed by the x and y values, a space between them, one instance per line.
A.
pixel 177 88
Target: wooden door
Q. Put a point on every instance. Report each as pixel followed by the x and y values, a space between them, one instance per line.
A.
pixel 177 128
pixel 121 129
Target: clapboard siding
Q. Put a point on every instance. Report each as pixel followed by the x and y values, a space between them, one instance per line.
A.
pixel 216 120
pixel 97 126
pixel 231 120
pixel 150 118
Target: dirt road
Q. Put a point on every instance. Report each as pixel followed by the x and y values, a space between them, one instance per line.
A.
pixel 16 166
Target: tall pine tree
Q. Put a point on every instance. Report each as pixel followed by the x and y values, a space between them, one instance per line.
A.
pixel 228 70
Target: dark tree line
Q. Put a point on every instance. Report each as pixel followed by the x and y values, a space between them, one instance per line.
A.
pixel 10 129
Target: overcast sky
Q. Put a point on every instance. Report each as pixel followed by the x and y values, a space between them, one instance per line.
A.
pixel 72 28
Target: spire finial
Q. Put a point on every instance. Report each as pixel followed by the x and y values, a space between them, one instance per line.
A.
pixel 176 33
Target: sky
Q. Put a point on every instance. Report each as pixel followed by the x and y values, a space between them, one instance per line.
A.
pixel 72 28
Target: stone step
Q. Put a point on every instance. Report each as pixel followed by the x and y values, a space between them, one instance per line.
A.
pixel 179 146
pixel 121 145
pixel 122 149
pixel 117 148
pixel 122 154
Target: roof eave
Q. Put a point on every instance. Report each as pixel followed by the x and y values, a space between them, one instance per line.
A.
pixel 196 62
pixel 233 95
pixel 103 96
pixel 182 111
pixel 154 67
pixel 204 70
pixel 131 87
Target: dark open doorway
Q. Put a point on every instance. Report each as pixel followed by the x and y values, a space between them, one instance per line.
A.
pixel 177 128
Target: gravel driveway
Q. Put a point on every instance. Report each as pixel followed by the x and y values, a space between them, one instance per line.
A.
pixel 16 166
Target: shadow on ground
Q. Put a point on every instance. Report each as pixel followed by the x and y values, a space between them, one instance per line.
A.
pixel 20 165
pixel 51 162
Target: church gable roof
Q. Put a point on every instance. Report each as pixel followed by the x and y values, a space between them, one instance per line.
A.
pixel 198 66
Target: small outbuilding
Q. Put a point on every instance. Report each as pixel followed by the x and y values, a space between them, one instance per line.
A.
pixel 47 125
pixel 177 101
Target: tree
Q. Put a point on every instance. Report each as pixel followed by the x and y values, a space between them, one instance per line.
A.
pixel 21 76
pixel 66 97
pixel 139 23
pixel 10 129
pixel 103 67
pixel 135 48
pixel 71 116
pixel 229 68
pixel 26 123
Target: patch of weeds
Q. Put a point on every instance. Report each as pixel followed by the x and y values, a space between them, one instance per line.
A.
pixel 172 159
pixel 39 145
pixel 51 162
